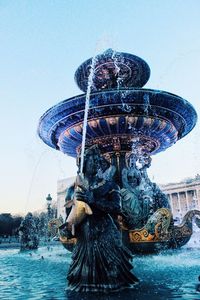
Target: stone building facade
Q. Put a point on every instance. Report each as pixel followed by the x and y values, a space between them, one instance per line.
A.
pixel 183 196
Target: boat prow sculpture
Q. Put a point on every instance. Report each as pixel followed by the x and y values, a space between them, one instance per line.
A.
pixel 129 124
pixel 149 241
pixel 183 232
pixel 160 234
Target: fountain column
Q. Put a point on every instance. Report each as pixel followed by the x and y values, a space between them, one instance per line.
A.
pixel 196 199
pixel 179 204
pixel 171 202
pixel 187 202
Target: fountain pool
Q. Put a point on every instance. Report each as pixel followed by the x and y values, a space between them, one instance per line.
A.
pixel 169 275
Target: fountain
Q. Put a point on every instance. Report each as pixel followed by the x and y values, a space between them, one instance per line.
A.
pixel 129 124
pixel 28 232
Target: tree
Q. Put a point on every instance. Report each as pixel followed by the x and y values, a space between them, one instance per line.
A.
pixel 6 224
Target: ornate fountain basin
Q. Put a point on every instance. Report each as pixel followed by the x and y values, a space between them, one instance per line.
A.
pixel 154 119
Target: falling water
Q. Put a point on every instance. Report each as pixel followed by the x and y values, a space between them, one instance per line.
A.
pixel 136 146
pixel 87 103
pixel 147 105
pixel 117 68
pixel 125 107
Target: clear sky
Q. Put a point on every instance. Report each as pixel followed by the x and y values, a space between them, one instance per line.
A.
pixel 41 45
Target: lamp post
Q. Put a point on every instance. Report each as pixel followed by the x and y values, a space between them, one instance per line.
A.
pixel 49 199
pixel 49 214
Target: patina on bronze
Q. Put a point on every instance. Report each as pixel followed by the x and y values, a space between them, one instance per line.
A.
pixel 100 261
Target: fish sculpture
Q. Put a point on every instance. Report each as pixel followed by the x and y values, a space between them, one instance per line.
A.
pixel 77 214
pixel 79 209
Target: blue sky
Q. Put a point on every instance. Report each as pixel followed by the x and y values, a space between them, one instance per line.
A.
pixel 41 45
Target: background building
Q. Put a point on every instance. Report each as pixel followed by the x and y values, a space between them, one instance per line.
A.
pixel 183 196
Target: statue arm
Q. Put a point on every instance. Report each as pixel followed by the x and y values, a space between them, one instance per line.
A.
pixel 110 202
pixel 124 178
pixel 70 193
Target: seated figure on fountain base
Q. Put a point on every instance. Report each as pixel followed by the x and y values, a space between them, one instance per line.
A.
pixel 140 197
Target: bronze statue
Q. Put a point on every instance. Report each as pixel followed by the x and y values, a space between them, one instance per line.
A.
pixel 140 197
pixel 100 262
pixel 130 193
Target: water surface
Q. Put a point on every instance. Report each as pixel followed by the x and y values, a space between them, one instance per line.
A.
pixel 41 274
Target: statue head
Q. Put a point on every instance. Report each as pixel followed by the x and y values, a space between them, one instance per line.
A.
pixel 93 161
pixel 134 179
pixel 131 161
pixel 145 161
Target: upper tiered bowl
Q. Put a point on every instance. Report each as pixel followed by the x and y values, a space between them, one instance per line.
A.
pixel 121 112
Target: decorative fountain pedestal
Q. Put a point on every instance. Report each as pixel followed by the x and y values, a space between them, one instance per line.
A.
pixel 129 124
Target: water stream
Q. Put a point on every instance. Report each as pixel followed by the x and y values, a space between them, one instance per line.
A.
pixel 117 60
pixel 87 105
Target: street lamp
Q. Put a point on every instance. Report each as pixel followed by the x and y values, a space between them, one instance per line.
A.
pixel 49 199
